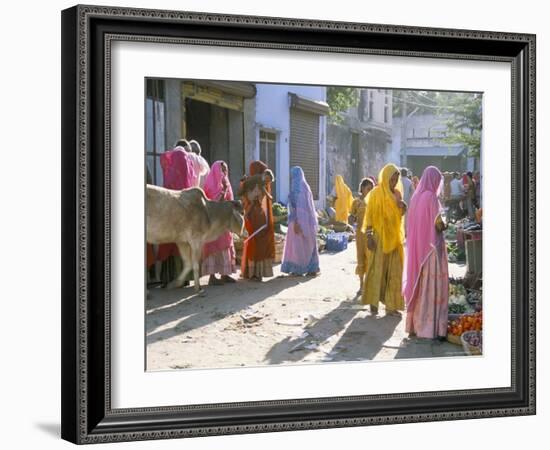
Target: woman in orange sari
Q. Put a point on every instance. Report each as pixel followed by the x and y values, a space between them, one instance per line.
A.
pixel 259 247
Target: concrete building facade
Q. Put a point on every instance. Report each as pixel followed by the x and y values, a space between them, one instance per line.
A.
pixel 290 129
pixel 239 122
pixel 418 140
pixel 361 144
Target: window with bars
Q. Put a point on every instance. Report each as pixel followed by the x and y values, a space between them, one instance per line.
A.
pixel 268 154
pixel 155 129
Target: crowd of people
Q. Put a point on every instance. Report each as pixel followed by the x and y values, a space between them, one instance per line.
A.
pixel 401 251
pixel 184 167
pixel 463 191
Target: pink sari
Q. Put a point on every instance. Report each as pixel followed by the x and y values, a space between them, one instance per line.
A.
pixel 218 255
pixel 426 279
pixel 177 169
pixel 178 173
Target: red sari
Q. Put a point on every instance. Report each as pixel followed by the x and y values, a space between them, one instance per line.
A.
pixel 259 249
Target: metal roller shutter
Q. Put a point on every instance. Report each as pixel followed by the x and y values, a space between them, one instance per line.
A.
pixel 304 146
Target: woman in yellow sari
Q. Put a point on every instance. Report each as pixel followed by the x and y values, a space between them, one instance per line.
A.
pixel 344 199
pixel 358 213
pixel 383 225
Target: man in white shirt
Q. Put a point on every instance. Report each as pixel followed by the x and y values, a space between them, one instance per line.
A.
pixel 407 185
pixel 408 190
pixel 457 189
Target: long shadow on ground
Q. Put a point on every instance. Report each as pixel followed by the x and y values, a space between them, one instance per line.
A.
pixel 364 338
pixel 321 330
pixel 196 311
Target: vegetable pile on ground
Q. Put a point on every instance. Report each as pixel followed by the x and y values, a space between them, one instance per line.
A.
pixel 455 253
pixel 280 217
pixel 450 232
pixel 458 303
pixel 465 322
pixel 279 210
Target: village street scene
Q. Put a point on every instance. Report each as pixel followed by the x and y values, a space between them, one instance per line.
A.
pixel 332 224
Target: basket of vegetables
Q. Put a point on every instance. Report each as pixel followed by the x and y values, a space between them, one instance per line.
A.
pixel 458 303
pixel 462 323
pixel 472 342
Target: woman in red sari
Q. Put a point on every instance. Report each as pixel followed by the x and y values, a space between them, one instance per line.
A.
pixel 259 248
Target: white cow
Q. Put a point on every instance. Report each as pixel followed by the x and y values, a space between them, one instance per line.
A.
pixel 188 219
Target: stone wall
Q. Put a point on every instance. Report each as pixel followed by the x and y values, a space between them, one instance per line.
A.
pixel 374 152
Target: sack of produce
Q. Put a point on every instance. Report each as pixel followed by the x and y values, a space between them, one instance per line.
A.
pixel 337 242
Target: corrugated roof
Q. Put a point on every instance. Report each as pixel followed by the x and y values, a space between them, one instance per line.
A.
pixel 451 150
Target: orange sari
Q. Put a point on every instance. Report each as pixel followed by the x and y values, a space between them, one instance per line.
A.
pixel 259 250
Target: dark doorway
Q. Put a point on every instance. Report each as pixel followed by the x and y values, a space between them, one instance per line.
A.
pixel 220 133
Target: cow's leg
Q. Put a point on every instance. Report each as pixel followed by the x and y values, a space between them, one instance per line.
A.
pixel 196 253
pixel 185 253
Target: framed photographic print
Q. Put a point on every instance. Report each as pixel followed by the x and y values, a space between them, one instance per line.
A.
pixel 280 224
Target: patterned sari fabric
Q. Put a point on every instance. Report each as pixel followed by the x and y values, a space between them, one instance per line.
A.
pixel 385 263
pixel 428 314
pixel 344 199
pixel 259 249
pixel 219 255
pixel 300 254
pixel 426 282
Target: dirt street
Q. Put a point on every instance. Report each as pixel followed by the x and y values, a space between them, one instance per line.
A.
pixel 283 320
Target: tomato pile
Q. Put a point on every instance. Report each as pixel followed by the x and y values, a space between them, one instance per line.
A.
pixel 466 322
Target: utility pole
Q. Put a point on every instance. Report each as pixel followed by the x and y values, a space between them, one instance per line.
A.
pixel 403 129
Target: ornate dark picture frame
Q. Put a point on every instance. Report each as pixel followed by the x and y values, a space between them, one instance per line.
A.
pixel 87 34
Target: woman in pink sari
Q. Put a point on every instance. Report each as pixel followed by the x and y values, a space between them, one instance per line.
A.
pixel 219 256
pixel 300 255
pixel 426 278
pixel 178 173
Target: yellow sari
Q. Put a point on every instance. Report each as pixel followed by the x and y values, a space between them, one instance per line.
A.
pixel 385 263
pixel 344 199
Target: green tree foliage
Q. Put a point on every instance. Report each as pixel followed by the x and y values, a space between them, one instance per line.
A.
pixel 339 100
pixel 463 120
pixel 459 111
